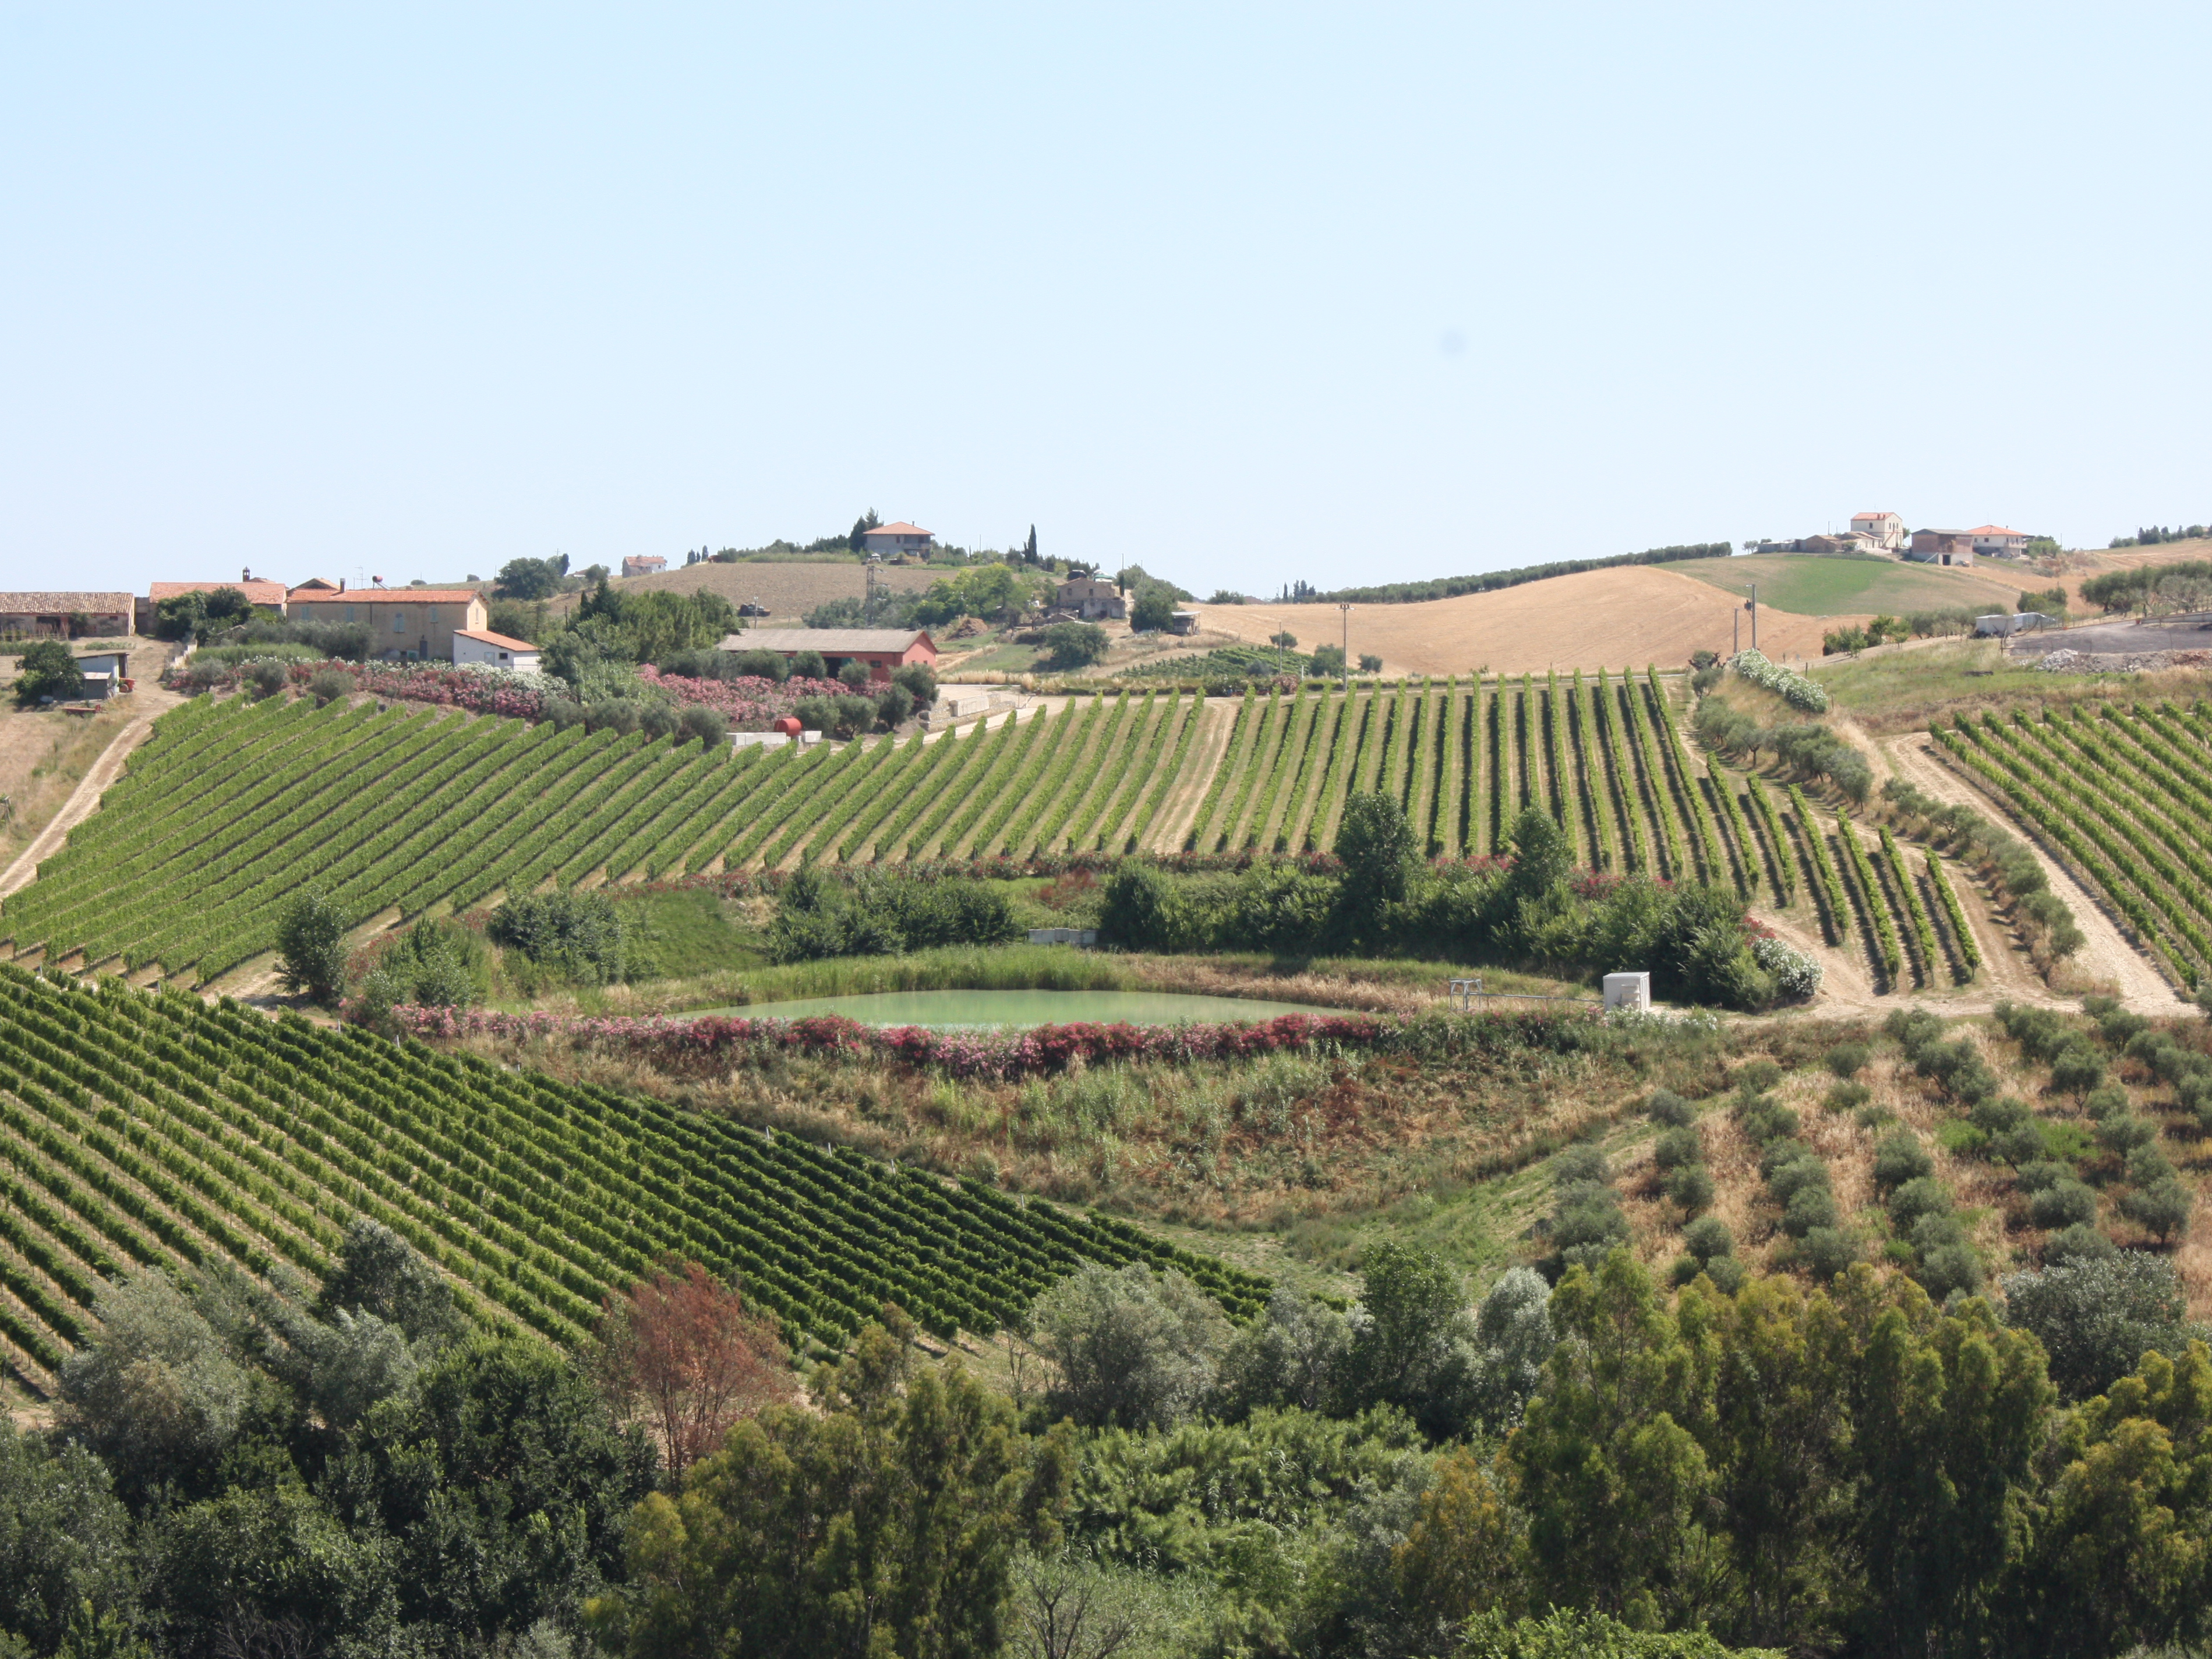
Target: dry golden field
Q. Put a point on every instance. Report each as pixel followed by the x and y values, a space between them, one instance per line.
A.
pixel 1597 619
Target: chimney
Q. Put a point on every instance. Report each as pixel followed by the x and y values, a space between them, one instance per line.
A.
pixel 341 584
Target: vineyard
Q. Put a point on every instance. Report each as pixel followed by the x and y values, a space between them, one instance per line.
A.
pixel 209 1133
pixel 1602 755
pixel 233 808
pixel 2123 792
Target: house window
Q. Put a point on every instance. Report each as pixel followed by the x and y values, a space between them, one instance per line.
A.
pixel 399 623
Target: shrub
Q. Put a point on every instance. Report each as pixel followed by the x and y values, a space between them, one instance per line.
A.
pixel 893 704
pixel 853 675
pixel 707 725
pixel 1140 908
pixel 2034 1177
pixel 268 678
pixel 2109 1101
pixel 2077 1069
pixel 2124 1131
pixel 1795 1176
pixel 919 679
pixel 1756 1077
pixel 1797 976
pixel 1691 1187
pixel 581 935
pixel 2079 1242
pixel 1921 1196
pixel 1846 1060
pixel 1074 645
pixel 1678 1147
pixel 329 684
pixel 1808 1208
pixel 1793 688
pixel 1828 1251
pixel 2162 1208
pixel 1847 1096
pixel 1950 1270
pixel 658 720
pixel 2063 1204
pixel 1708 1238
pixel 1668 1107
pixel 1900 1158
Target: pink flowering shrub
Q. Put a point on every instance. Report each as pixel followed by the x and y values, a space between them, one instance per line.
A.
pixel 748 703
pixel 966 1054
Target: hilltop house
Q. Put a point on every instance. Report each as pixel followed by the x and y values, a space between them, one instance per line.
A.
pixel 1942 547
pixel 1998 542
pixel 405 624
pixel 66 613
pixel 891 540
pixel 1090 598
pixel 1883 531
pixel 643 564
pixel 881 649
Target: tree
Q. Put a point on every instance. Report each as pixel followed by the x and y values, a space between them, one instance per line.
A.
pixel 2096 1318
pixel 153 1391
pixel 502 1483
pixel 1369 663
pixel 681 1350
pixel 1130 1348
pixel 1074 644
pixel 1378 849
pixel 1154 609
pixel 530 580
pixel 1542 855
pixel 710 726
pixel 858 541
pixel 1029 547
pixel 47 669
pixel 311 946
pixel 64 1537
pixel 1328 661
pixel 380 1274
pixel 886 1522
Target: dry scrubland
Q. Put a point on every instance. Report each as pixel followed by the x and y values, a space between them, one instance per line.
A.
pixel 1598 618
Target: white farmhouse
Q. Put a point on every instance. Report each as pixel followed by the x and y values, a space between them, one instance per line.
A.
pixel 481 645
pixel 1884 531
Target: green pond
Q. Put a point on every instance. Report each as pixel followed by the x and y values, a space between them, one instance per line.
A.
pixel 956 1008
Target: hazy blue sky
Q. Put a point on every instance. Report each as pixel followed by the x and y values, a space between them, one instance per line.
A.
pixel 1249 293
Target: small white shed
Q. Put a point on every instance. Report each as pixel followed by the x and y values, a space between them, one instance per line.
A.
pixel 481 645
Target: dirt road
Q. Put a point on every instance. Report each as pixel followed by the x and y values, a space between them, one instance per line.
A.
pixel 150 704
pixel 2105 954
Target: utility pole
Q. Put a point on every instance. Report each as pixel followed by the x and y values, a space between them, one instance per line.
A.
pixel 1346 647
pixel 1753 608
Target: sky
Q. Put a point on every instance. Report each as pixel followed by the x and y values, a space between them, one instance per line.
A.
pixel 1248 294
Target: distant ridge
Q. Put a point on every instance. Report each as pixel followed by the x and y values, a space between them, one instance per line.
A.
pixel 1446 588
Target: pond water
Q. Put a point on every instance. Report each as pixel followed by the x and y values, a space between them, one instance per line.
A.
pixel 957 1008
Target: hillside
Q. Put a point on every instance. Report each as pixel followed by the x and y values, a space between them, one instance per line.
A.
pixel 256 1142
pixel 1594 619
pixel 788 589
pixel 1840 587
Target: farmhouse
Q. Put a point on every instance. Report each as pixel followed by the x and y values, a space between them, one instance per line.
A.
pixel 67 614
pixel 1884 531
pixel 1995 540
pixel 1942 547
pixel 881 649
pixel 643 564
pixel 481 645
pixel 1090 598
pixel 891 539
pixel 405 624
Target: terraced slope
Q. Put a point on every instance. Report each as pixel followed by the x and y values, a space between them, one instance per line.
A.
pixel 140 1129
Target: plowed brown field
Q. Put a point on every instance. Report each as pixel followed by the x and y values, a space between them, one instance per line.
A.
pixel 1598 619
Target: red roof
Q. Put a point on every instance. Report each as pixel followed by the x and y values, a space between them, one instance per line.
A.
pixel 1992 530
pixel 257 592
pixel 1879 513
pixel 389 595
pixel 487 637
pixel 902 528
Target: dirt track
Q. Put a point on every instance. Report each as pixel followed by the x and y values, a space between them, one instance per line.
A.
pixel 2105 954
pixel 150 704
pixel 1598 619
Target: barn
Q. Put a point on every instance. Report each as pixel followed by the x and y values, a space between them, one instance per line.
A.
pixel 882 649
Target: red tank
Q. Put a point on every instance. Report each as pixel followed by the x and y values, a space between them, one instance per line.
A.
pixel 788 724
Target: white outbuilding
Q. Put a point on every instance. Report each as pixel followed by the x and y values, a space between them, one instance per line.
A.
pixel 481 645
